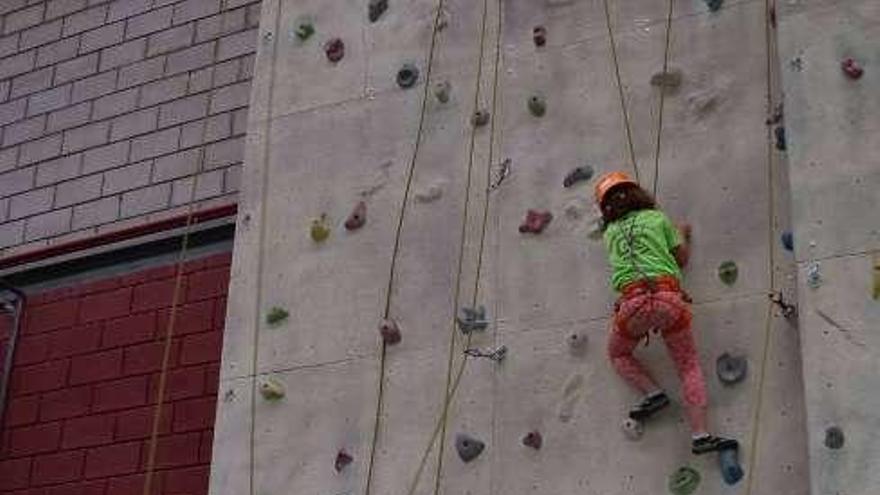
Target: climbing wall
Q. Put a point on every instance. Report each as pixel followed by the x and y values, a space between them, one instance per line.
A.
pixel 832 107
pixel 312 401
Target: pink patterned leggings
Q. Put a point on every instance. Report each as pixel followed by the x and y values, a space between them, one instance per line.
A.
pixel 665 311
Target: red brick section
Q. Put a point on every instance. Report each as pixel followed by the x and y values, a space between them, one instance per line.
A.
pixel 85 384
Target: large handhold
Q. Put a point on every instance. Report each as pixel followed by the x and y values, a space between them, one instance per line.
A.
pixel 731 369
pixel 468 447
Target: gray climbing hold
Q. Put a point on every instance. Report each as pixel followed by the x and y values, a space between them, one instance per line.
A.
pixel 714 5
pixel 407 76
pixel 468 447
pixel 632 429
pixel 669 80
pixel 731 369
pixel 728 462
pixel 442 90
pixel 271 390
pixel 480 118
pixel 577 343
pixel 684 481
pixel 728 272
pixel 580 174
pixel 537 105
pixel 834 438
pixel 376 8
pixel 472 319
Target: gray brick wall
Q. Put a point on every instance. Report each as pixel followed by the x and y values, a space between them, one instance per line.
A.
pixel 115 110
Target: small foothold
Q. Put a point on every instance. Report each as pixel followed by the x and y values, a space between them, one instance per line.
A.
pixel 714 5
pixel 335 50
pixel 304 30
pixel 343 459
pixel 533 439
pixel 442 90
pixel 787 240
pixel 535 222
pixel 728 272
pixel 731 369
pixel 781 144
pixel 472 319
pixel 267 36
pixel 577 343
pixel 539 35
pixel 480 118
pixel 834 438
pixel 632 429
pixel 580 174
pixel 431 193
pixel 671 79
pixel 390 332
pixel 376 8
pixel 271 390
pixel 407 76
pixel 468 447
pixel 276 315
pixel 320 231
pixel 728 462
pixel 851 68
pixel 684 481
pixel 537 106
pixel 814 277
pixel 358 217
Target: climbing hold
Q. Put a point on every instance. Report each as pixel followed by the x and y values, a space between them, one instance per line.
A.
pixel 441 91
pixel 533 439
pixel 851 68
pixel 632 428
pixel 390 332
pixel 407 76
pixel 271 390
pixel 537 105
pixel 276 315
pixel 343 459
pixel 728 461
pixel 788 310
pixel 539 35
pixel 480 118
pixel 787 240
pixel 468 447
pixel 429 194
pixel 714 5
pixel 834 438
pixel 335 50
pixel 669 80
pixel 472 319
pixel 728 272
pixel 535 222
pixel 503 171
pixel 358 217
pixel 376 8
pixel 304 30
pixel 814 277
pixel 684 481
pixel 781 144
pixel 577 343
pixel 580 174
pixel 320 231
pixel 731 369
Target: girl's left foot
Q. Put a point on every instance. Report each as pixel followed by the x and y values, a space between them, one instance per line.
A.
pixel 711 443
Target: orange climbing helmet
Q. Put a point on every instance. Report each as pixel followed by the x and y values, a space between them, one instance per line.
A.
pixel 609 181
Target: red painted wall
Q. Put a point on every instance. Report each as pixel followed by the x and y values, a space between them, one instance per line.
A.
pixel 84 387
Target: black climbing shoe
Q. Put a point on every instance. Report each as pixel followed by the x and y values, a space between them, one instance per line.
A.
pixel 711 443
pixel 648 406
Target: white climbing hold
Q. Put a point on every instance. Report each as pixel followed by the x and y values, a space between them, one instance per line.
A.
pixel 271 390
pixel 814 277
pixel 429 194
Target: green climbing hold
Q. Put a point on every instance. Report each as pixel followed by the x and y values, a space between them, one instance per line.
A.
pixel 728 272
pixel 304 30
pixel 684 481
pixel 276 315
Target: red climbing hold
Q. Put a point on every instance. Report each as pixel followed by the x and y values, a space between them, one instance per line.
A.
pixel 390 332
pixel 343 459
pixel 358 217
pixel 335 50
pixel 536 221
pixel 533 439
pixel 851 68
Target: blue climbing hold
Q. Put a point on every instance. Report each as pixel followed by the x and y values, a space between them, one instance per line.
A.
pixel 787 240
pixel 731 471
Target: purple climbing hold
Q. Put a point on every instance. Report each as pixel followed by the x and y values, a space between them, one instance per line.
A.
pixel 533 439
pixel 851 68
pixel 535 222
pixel 390 332
pixel 335 50
pixel 343 459
pixel 358 217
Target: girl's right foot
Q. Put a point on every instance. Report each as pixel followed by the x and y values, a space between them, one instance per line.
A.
pixel 648 406
pixel 711 443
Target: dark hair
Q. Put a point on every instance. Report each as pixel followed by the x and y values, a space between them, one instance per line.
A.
pixel 623 199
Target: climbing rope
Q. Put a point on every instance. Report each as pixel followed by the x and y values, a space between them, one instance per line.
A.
pixel 662 100
pixel 396 249
pixel 626 126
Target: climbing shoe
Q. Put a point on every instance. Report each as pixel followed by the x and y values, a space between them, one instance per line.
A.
pixel 711 443
pixel 648 406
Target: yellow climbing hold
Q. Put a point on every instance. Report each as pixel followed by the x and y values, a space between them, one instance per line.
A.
pixel 271 390
pixel 320 231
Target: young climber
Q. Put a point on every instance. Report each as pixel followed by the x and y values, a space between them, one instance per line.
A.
pixel 647 253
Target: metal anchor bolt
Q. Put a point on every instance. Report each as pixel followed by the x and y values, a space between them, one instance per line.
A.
pixel 407 76
pixel 335 50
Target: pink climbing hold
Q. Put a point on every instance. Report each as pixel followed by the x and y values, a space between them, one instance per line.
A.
pixel 536 221
pixel 335 50
pixel 533 439
pixel 390 332
pixel 343 459
pixel 851 68
pixel 358 217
